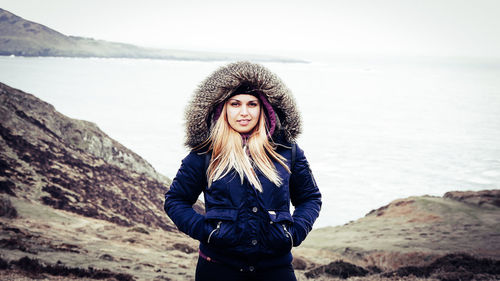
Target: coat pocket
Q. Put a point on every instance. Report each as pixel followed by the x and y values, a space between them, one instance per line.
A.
pixel 223 224
pixel 278 238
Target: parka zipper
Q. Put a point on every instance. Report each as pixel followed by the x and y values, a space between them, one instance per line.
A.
pixel 213 231
pixel 288 234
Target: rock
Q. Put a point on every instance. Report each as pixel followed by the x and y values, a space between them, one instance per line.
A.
pixel 162 278
pixel 453 267
pixel 299 263
pixel 6 186
pixel 184 248
pixel 6 208
pixel 469 263
pixel 4 264
pixel 107 257
pixel 36 269
pixel 480 198
pixel 337 269
pixel 138 229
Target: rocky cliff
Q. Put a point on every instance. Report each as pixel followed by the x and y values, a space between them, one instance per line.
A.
pixel 72 165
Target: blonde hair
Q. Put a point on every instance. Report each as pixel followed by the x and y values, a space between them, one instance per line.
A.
pixel 228 153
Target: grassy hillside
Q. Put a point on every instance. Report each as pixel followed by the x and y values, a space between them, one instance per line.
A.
pixel 411 231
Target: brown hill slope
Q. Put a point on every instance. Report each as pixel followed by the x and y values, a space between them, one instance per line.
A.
pixel 414 231
pixel 72 165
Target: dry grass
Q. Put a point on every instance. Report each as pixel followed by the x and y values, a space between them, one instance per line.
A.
pixel 53 236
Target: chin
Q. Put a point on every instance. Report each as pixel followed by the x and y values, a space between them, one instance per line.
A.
pixel 242 129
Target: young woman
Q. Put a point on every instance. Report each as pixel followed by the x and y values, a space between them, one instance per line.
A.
pixel 241 126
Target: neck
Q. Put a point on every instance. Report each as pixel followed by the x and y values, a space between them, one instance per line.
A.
pixel 245 137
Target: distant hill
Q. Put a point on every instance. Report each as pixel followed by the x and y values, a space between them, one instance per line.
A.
pixel 21 37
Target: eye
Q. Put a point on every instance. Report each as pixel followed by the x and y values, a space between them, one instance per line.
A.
pixel 234 103
pixel 253 104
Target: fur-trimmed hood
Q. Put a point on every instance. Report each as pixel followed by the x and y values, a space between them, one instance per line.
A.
pixel 219 85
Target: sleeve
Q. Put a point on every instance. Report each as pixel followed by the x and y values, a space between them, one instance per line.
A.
pixel 187 185
pixel 305 197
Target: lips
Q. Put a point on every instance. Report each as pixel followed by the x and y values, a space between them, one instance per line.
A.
pixel 243 122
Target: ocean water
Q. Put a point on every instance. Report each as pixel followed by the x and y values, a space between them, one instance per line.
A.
pixel 375 129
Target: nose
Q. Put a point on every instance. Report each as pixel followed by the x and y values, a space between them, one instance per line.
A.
pixel 244 110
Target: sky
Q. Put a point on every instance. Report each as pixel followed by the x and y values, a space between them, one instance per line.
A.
pixel 448 28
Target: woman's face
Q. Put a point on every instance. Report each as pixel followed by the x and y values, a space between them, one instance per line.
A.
pixel 243 112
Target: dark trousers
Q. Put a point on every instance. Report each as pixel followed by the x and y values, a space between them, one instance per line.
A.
pixel 214 271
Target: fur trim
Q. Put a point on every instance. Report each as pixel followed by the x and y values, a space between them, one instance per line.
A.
pixel 218 86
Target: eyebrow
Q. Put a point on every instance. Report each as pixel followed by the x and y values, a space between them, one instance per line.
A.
pixel 256 99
